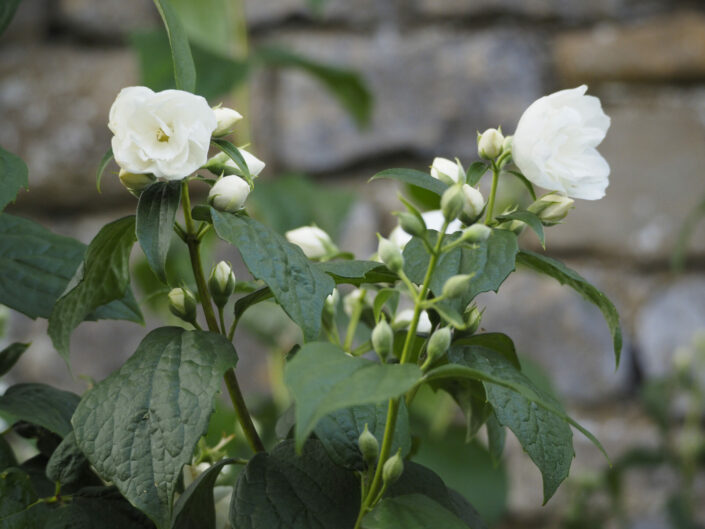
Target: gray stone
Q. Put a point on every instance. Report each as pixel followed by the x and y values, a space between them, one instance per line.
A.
pixel 274 12
pixel 29 24
pixel 669 320
pixel 564 9
pixel 433 90
pixel 106 18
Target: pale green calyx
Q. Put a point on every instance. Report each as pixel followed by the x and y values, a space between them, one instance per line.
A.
pixel 382 338
pixel 369 447
pixel 552 208
pixel 182 304
pixel 472 317
pixel 452 202
pixel 489 144
pixel 411 224
pixel 221 283
pixel 456 286
pixel 135 183
pixel 392 469
pixel 476 233
pixel 390 254
pixel 438 344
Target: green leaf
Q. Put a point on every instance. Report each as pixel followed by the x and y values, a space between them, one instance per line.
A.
pixel 184 68
pixel 526 183
pixel 413 511
pixel 104 161
pixel 528 218
pixel 42 405
pixel 38 264
pixel 13 170
pixel 414 178
pixel 280 489
pixel 141 424
pixel 156 212
pixel 496 436
pixel 16 494
pixel 339 432
pixel 7 12
pixel 496 341
pixel 10 355
pixel 357 272
pixel 235 155
pixel 475 172
pixel 104 277
pixel 347 86
pixel 7 456
pixel 323 379
pixel 67 464
pixel 195 508
pixel 298 285
pixel 566 276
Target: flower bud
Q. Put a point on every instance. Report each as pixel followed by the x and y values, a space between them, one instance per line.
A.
pixel 225 120
pixel 474 202
pixel 390 254
pixel 476 233
pixel 135 183
pixel 489 144
pixel 382 338
pixel 438 344
pixel 392 469
pixel 552 208
pixel 446 171
pixel 472 317
pixel 314 242
pixel 456 286
pixel 330 305
pixel 369 447
pixel 182 304
pixel 229 193
pixel 411 224
pixel 221 283
pixel 352 299
pixel 452 202
pixel 507 143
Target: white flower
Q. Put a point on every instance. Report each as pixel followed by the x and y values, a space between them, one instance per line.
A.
pixel 489 144
pixel 434 221
pixel 474 201
pixel 445 170
pixel 403 319
pixel 164 133
pixel 555 144
pixel 221 496
pixel 314 242
pixel 226 119
pixel 229 193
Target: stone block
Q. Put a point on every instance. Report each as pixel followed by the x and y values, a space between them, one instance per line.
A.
pixel 275 12
pixel 106 18
pixel 30 22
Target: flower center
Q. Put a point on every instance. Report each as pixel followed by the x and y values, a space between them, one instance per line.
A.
pixel 162 136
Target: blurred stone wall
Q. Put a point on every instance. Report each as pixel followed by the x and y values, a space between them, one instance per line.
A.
pixel 439 71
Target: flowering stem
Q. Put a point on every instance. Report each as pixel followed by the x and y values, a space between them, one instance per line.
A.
pixel 354 320
pixel 374 494
pixel 236 397
pixel 493 192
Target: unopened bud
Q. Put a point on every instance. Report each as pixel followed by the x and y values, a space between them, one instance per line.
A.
pixel 507 143
pixel 447 171
pixel 438 344
pixel 472 317
pixel 411 224
pixel 135 183
pixel 182 304
pixel 456 286
pixel 382 338
pixel 225 120
pixel 390 254
pixel 313 241
pixel 474 202
pixel 221 283
pixel 369 447
pixel 452 202
pixel 552 208
pixel 229 194
pixel 489 144
pixel 330 305
pixel 476 233
pixel 392 469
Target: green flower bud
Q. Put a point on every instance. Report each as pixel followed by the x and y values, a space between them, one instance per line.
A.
pixel 452 202
pixel 476 233
pixel 182 304
pixel 438 344
pixel 221 283
pixel 507 143
pixel 472 317
pixel 390 254
pixel 330 305
pixel 382 338
pixel 456 286
pixel 411 224
pixel 392 469
pixel 489 144
pixel 474 202
pixel 136 183
pixel 369 447
pixel 552 208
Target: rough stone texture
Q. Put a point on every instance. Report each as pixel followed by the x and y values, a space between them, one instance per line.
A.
pixel 571 10
pixel 54 103
pixel 274 12
pixel 669 320
pixel 664 48
pixel 432 89
pixel 106 18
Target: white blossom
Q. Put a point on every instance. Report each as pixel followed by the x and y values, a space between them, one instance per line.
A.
pixel 229 193
pixel 226 119
pixel 314 242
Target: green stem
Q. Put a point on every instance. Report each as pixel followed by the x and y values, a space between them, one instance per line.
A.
pixel 354 320
pixel 493 192
pixel 193 244
pixel 221 318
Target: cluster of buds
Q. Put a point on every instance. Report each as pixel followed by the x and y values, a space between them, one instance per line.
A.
pixel 462 201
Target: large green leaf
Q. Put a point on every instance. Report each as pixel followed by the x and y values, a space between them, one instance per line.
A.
pixel 156 212
pixel 339 432
pixel 347 86
pixel 104 277
pixel 299 286
pixel 413 511
pixel 37 266
pixel 414 178
pixel 357 272
pixel 13 170
pixel 67 464
pixel 184 68
pixel 16 494
pixel 42 405
pixel 530 219
pixel 140 425
pixel 7 456
pixel 10 355
pixel 285 491
pixel 566 276
pixel 195 508
pixel 323 379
